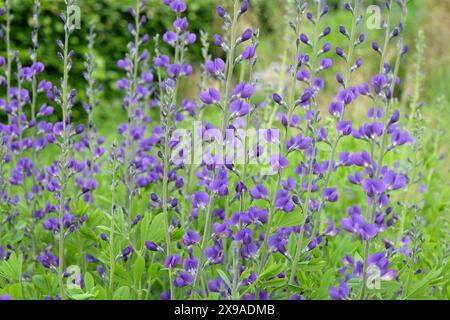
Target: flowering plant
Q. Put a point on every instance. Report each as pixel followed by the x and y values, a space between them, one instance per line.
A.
pixel 276 193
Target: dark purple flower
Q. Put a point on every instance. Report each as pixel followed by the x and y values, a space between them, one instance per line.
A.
pixel 172 261
pixel 258 192
pixel 249 52
pixel 151 246
pixel 330 194
pixel 373 187
pixel 215 67
pixel 284 202
pixel 199 199
pixel 211 96
pixel 239 108
pixel 325 63
pixel 191 237
pixel 341 293
pixel 178 6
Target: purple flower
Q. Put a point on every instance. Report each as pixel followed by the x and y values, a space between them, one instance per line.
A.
pixel 335 109
pixel 249 52
pixel 191 237
pixel 178 6
pixel 330 194
pixel 221 11
pixel 239 108
pixel 246 35
pixel 356 224
pixel 344 127
pixel 161 61
pixel 399 138
pixel 244 7
pixel 199 199
pixel 303 75
pixel 172 261
pixel 373 187
pixel 151 246
pixel 218 40
pixel 277 162
pixel 379 82
pixel 325 63
pixel 180 24
pixel 183 280
pixel 284 202
pixel 298 143
pixel 258 192
pixel 341 293
pixel 169 37
pixel 348 95
pixel 277 98
pixel 211 96
pixel 214 254
pixel 277 243
pixel 243 90
pixel 361 159
pixel 215 67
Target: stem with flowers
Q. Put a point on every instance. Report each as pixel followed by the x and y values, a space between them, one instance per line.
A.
pixel 229 70
pixel 112 231
pixel 291 107
pixel 9 57
pixel 65 145
pixel 305 209
pixel 129 145
pixel 356 11
pixel 384 138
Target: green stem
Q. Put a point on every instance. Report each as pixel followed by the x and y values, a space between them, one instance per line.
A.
pixel 112 259
pixel 380 160
pixel 130 110
pixel 8 54
pixel 229 67
pixel 206 237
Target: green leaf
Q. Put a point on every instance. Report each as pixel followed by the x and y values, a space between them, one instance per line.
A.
pixel 153 270
pixel 138 269
pixel 224 277
pixel 288 220
pixel 12 269
pixel 89 281
pixel 123 293
pixel 325 282
pixel 15 290
pixel 416 288
pixel 156 230
pixel 81 296
pixel 245 274
pixel 271 270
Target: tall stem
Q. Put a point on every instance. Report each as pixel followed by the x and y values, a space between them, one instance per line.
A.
pixel 8 54
pixel 291 106
pixel 206 237
pixel 229 68
pixel 131 119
